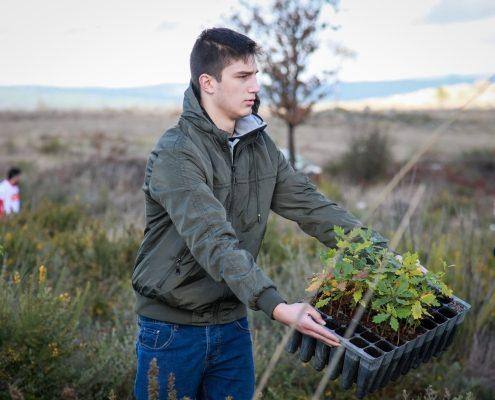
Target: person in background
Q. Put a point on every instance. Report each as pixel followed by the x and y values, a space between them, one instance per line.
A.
pixel 10 201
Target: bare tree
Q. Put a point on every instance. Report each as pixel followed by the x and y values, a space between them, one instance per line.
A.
pixel 288 31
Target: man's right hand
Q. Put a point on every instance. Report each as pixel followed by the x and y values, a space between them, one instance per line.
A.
pixel 306 319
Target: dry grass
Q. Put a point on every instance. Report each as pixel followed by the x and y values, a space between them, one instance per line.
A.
pixel 72 135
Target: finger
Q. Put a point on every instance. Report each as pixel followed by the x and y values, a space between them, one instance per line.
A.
pixel 316 315
pixel 313 326
pixel 321 338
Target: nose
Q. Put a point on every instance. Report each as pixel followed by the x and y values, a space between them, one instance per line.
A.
pixel 254 87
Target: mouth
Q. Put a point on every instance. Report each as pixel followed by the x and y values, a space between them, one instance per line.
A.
pixel 249 102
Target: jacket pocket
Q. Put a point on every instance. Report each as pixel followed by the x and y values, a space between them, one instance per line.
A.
pixel 175 268
pixel 197 291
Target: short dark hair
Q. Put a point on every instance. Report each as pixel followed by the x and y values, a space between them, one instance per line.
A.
pixel 215 49
pixel 13 172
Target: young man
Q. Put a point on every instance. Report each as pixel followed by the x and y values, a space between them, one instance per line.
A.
pixel 10 201
pixel 210 184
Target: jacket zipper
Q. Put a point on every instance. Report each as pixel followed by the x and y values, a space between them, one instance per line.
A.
pixel 233 179
pixel 178 262
pixel 177 266
pixel 232 190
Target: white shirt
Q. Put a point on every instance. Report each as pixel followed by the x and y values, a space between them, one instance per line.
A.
pixel 10 201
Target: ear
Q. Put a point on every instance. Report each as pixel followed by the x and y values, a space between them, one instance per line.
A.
pixel 207 83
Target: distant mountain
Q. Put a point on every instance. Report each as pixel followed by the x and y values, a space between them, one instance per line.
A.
pixel 170 94
pixel 33 97
pixel 366 90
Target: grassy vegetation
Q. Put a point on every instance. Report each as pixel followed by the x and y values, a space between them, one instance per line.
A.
pixel 65 304
pixel 67 329
pixel 66 323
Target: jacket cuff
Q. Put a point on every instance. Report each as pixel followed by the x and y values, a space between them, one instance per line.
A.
pixel 378 240
pixel 268 300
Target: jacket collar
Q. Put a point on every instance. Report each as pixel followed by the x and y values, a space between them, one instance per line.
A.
pixel 196 115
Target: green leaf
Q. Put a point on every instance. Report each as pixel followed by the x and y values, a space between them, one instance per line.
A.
pixel 403 312
pixel 379 318
pixel 322 303
pixel 445 290
pixel 428 298
pixel 358 294
pixel 380 302
pixel 391 309
pixel 355 232
pixel 346 268
pixel 417 310
pixel 362 246
pixel 331 253
pixel 339 231
pixel 343 244
pixel 416 280
pixel 404 284
pixel 394 323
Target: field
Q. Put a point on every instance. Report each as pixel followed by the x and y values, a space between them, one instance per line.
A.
pixel 66 304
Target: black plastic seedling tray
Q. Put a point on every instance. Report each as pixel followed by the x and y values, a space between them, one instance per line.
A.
pixel 369 360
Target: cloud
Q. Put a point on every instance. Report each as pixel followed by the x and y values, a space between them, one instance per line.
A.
pixel 450 11
pixel 74 31
pixel 166 26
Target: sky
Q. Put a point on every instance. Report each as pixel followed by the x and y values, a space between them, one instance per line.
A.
pixel 136 43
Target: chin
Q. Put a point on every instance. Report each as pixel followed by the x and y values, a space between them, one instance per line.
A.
pixel 245 113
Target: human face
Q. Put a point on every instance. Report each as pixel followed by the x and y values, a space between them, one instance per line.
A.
pixel 234 95
pixel 15 180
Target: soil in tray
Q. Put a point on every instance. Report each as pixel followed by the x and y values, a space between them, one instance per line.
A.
pixel 455 306
pixel 343 315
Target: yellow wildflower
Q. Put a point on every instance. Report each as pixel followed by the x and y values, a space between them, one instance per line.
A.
pixel 12 354
pixel 8 237
pixel 53 349
pixel 16 278
pixel 42 273
pixel 64 297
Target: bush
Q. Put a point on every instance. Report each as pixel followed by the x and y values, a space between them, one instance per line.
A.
pixel 66 330
pixel 51 145
pixel 367 159
pixel 67 237
pixel 38 334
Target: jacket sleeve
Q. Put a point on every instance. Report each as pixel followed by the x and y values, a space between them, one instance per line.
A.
pixel 297 199
pixel 178 182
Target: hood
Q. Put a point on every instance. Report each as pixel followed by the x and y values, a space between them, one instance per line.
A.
pixel 195 114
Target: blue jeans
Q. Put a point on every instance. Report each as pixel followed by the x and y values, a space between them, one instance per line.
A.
pixel 201 362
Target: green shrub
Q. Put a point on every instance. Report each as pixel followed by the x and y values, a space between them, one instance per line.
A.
pixel 39 334
pixel 67 237
pixel 367 159
pixel 51 145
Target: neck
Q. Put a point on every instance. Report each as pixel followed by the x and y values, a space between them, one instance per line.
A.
pixel 218 117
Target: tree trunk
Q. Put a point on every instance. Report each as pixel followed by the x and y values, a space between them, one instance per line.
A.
pixel 292 145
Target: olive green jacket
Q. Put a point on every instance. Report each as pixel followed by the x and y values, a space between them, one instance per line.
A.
pixel 206 214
